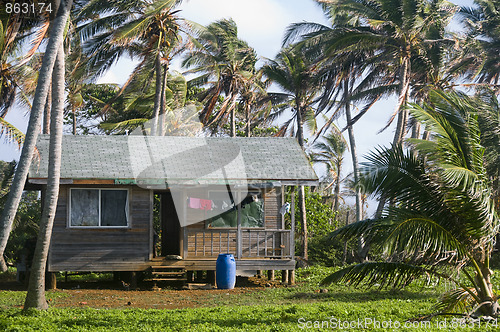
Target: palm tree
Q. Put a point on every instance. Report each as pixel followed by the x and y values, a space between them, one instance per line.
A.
pixel 297 75
pixel 35 297
pixel 331 154
pixel 255 102
pixel 481 51
pixel 443 220
pixel 44 79
pixel 400 38
pixel 180 117
pixel 145 29
pixel 225 63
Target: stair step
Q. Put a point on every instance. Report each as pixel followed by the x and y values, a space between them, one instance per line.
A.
pixel 169 279
pixel 169 273
pixel 166 268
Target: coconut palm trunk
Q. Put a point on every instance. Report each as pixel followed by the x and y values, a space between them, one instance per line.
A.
pixel 302 196
pixel 157 102
pixel 46 115
pixel 163 105
pixel 404 86
pixel 232 105
pixel 363 244
pixel 35 297
pixel 336 199
pixel 247 121
pixel 14 197
pixel 354 154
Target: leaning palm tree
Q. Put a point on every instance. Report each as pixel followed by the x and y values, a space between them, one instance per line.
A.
pixel 35 297
pixel 404 37
pixel 443 220
pixel 297 75
pixel 225 63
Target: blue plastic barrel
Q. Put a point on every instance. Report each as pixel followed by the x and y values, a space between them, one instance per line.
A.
pixel 225 269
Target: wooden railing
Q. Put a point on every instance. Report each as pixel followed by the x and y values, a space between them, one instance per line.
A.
pixel 253 243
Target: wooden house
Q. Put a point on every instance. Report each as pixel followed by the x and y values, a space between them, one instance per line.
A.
pixel 214 195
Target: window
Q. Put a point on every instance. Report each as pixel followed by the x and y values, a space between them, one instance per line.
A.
pixel 98 208
pixel 225 212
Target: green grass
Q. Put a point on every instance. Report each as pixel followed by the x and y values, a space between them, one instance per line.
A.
pixel 277 309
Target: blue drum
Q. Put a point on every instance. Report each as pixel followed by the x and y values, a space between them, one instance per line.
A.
pixel 225 271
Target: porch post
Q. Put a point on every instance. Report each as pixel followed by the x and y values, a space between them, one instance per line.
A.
pixel 238 235
pixel 185 246
pixel 292 226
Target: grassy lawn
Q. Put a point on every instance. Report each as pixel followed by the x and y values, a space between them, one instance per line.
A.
pixel 259 309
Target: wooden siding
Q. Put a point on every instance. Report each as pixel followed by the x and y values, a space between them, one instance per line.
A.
pixel 272 205
pixel 119 249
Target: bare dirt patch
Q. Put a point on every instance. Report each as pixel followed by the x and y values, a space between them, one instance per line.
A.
pixel 108 294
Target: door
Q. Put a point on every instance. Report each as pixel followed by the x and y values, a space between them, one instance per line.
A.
pixel 170 227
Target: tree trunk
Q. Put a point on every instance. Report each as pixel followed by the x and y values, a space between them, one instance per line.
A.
pixel 73 111
pixel 163 104
pixel 302 196
pixel 247 118
pixel 16 190
pixel 354 154
pixel 233 120
pixel 404 86
pixel 157 103
pixel 337 187
pixel 46 114
pixel 232 107
pixel 35 297
pixel 363 245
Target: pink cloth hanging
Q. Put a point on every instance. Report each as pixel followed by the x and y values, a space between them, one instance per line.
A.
pixel 194 203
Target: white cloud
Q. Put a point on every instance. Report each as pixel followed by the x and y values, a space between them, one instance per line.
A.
pixel 108 77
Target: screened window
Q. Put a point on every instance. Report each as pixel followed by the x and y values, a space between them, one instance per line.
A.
pixel 98 208
pixel 225 212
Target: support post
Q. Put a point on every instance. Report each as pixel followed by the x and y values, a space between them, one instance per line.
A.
pixel 291 277
pixel 185 247
pixel 211 277
pixel 133 280
pixel 238 236
pixel 292 226
pixel 270 275
pixel 51 280
pixel 284 276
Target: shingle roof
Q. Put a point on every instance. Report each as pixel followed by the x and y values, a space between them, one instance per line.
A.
pixel 177 159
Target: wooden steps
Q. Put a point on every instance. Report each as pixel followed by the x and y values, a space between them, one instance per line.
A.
pixel 168 273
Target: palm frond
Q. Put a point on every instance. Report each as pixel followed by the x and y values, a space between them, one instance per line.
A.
pixel 380 274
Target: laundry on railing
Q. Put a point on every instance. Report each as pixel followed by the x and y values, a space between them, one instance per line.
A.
pixel 200 203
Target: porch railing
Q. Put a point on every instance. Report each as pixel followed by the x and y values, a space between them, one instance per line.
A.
pixel 253 243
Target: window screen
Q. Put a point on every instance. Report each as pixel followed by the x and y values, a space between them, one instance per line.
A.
pixel 225 213
pixel 113 208
pixel 84 207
